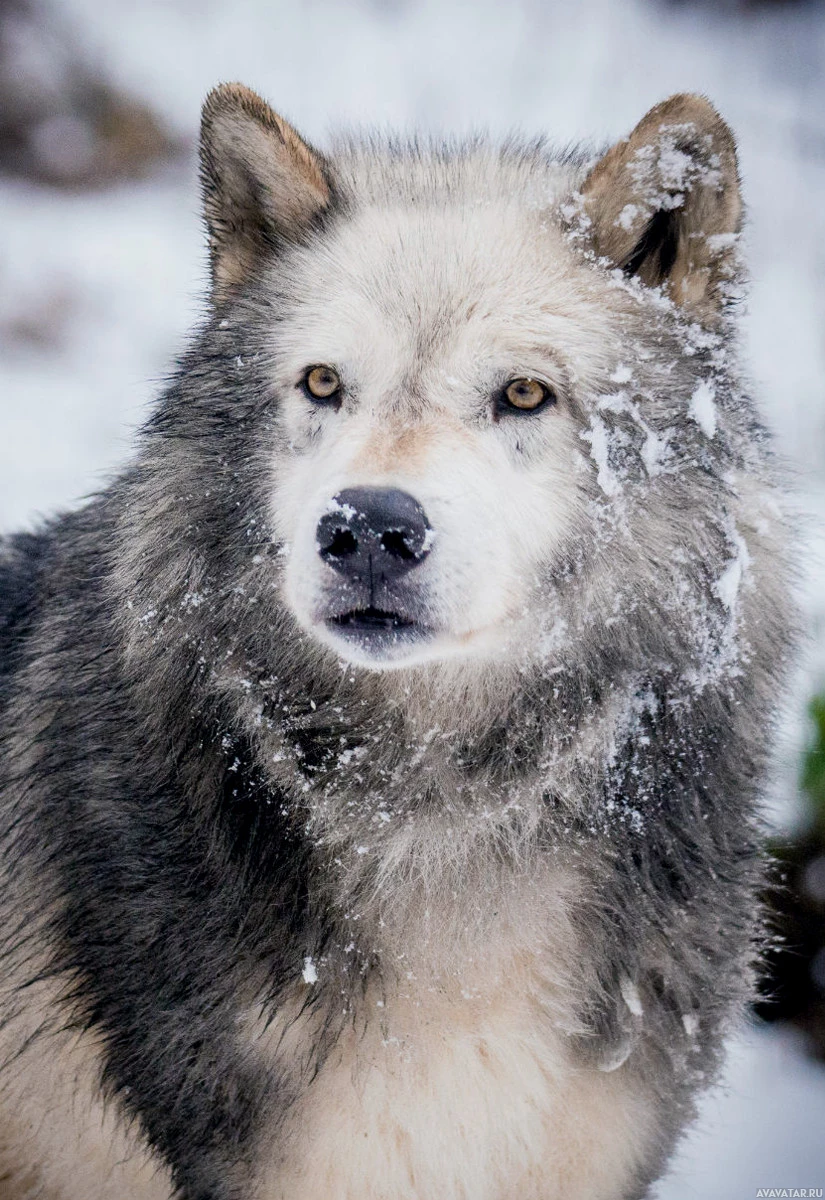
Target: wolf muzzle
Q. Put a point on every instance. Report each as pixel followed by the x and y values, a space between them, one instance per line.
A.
pixel 372 538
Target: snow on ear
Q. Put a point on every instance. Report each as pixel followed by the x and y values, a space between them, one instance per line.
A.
pixel 664 204
pixel 261 183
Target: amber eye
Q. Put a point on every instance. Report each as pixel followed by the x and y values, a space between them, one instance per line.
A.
pixel 526 395
pixel 321 383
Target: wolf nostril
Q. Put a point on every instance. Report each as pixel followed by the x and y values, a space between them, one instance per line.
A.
pixel 341 543
pixel 395 543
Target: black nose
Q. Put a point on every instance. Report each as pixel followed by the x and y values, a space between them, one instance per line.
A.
pixel 373 533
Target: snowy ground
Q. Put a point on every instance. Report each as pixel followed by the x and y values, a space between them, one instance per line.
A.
pixel 105 287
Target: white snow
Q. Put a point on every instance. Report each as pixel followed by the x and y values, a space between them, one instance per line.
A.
pixel 627 216
pixel 691 1024
pixel 119 274
pixel 343 509
pixel 597 436
pixel 703 409
pixel 675 167
pixel 631 997
pixel 310 971
pixel 728 584
pixel 654 451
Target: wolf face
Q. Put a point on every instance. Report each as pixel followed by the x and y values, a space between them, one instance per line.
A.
pixel 421 503
pixel 435 347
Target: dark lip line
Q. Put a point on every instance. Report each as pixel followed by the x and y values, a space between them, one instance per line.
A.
pixel 370 619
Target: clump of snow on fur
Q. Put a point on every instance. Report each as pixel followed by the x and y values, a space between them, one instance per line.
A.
pixel 344 510
pixel 691 1024
pixel 703 408
pixel 310 971
pixel 729 582
pixel 664 173
pixel 654 451
pixel 627 216
pixel 722 241
pixel 617 1055
pixel 597 436
pixel 655 447
pixel 631 997
pixel 675 167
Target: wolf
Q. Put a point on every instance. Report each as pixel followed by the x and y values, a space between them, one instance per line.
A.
pixel 382 749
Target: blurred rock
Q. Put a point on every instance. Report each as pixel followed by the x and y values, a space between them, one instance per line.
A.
pixel 61 123
pixel 39 324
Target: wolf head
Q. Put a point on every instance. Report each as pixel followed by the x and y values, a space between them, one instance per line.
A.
pixel 440 324
pixel 441 375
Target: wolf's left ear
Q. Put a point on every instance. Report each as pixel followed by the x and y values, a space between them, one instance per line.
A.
pixel 665 205
pixel 261 182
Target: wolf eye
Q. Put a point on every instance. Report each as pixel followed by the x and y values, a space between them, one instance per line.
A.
pixel 321 383
pixel 526 395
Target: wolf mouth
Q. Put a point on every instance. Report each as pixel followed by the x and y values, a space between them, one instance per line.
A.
pixel 371 618
pixel 376 628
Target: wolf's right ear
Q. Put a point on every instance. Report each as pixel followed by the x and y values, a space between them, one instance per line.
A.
pixel 261 182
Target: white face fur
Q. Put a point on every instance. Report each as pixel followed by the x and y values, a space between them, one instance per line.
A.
pixel 426 314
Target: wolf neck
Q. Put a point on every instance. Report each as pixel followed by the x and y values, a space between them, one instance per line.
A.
pixel 428 754
pixel 427 806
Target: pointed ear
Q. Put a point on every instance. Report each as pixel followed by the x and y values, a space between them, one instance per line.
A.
pixel 665 205
pixel 261 183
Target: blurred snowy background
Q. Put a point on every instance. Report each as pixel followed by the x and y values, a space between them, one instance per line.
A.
pixel 102 269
